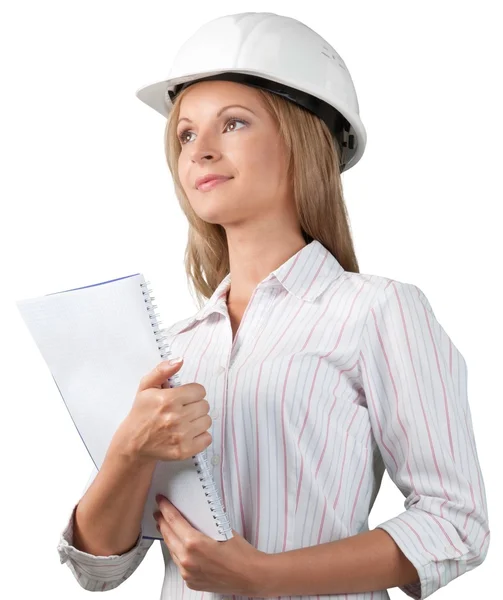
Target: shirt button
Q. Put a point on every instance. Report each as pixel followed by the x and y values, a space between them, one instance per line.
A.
pixel 215 459
pixel 214 413
pixel 220 370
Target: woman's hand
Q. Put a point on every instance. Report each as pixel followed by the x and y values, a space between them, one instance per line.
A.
pixel 230 567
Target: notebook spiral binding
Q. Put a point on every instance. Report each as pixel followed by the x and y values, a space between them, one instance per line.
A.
pixel 200 460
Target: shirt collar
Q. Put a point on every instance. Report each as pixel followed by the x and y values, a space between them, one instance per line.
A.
pixel 305 275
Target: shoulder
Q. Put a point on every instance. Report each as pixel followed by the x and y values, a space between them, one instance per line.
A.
pixel 378 292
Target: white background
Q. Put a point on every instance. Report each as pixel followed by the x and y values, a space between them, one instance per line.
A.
pixel 86 196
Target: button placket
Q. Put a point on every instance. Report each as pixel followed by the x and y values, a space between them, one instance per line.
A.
pixel 215 413
pixel 252 324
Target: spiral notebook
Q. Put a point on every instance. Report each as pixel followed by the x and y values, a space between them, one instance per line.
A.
pixel 98 341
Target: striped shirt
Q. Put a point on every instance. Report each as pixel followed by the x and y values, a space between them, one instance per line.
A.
pixel 332 377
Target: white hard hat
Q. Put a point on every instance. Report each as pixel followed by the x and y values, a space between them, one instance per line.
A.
pixel 272 52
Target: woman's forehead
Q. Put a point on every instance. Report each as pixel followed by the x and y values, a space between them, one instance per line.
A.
pixel 215 94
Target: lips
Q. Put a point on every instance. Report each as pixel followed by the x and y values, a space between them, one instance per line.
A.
pixel 207 178
pixel 206 186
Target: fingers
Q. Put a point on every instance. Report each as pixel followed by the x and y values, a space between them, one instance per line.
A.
pixel 159 374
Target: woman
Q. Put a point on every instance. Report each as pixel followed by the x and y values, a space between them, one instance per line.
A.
pixel 318 377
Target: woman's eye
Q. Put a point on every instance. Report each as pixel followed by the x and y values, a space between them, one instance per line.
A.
pixel 231 120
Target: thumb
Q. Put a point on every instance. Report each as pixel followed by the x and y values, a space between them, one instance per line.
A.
pixel 160 373
pixel 168 368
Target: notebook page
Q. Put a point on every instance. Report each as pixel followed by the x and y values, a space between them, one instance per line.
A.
pixel 98 342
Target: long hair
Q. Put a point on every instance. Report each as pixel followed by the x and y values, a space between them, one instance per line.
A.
pixel 313 168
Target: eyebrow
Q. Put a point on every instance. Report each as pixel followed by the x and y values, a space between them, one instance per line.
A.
pixel 220 111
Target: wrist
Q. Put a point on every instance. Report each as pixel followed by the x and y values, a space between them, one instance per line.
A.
pixel 123 448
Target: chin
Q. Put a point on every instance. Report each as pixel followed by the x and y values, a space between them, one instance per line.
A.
pixel 210 216
pixel 216 215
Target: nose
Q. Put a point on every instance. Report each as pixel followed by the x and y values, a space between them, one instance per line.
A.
pixel 204 147
pixel 199 156
pixel 203 154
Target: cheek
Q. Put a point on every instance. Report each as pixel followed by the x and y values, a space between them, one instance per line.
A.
pixel 182 167
pixel 262 164
pixel 266 171
pixel 183 173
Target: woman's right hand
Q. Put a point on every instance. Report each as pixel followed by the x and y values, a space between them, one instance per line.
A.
pixel 165 424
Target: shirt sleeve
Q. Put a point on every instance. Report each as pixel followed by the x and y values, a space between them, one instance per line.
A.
pixel 415 384
pixel 99 573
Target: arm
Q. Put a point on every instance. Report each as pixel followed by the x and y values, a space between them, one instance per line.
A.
pixel 415 384
pixel 102 541
pixel 414 380
pixel 337 567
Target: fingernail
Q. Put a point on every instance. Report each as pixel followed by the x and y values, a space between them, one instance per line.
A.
pixel 175 361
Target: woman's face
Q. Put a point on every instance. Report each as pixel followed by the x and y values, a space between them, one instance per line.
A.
pixel 235 142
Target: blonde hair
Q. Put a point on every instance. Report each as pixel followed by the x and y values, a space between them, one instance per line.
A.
pixel 318 195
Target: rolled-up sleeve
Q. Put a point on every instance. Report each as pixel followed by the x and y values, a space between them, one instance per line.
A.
pixel 99 573
pixel 415 385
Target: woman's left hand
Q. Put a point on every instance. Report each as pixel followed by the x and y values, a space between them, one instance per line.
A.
pixel 230 567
